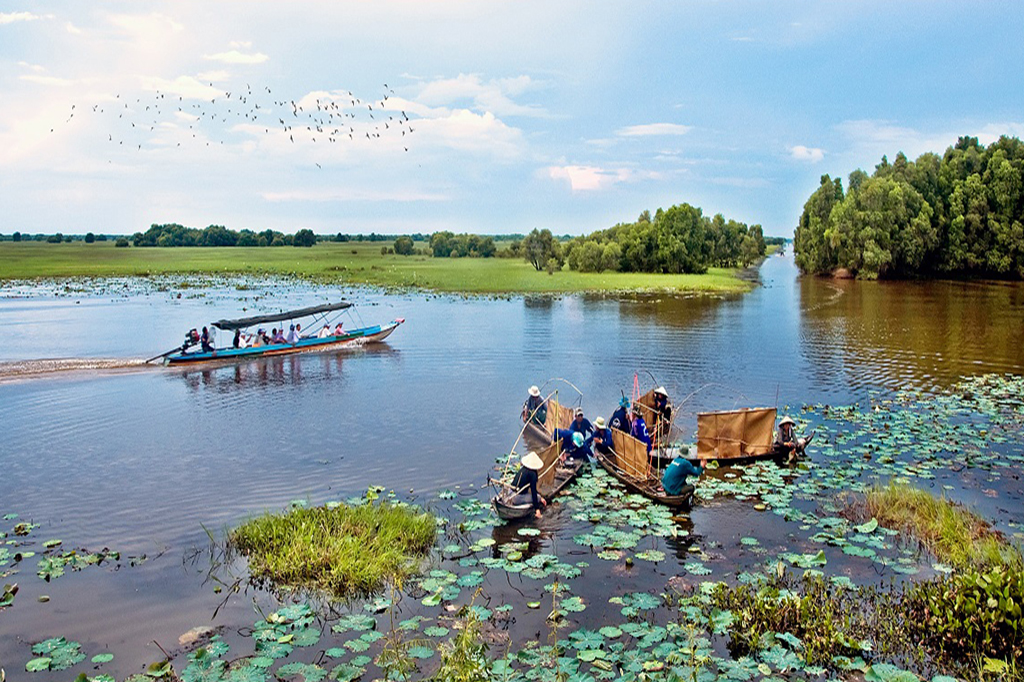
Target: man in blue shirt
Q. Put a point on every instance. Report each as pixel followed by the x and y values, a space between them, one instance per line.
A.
pixel 640 428
pixel 674 478
pixel 603 437
pixel 574 445
pixel 620 418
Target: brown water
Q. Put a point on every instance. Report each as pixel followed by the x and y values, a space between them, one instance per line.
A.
pixel 145 462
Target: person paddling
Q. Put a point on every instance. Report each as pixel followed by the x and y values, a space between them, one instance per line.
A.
pixel 525 482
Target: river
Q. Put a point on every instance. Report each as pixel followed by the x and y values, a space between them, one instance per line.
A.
pixel 145 461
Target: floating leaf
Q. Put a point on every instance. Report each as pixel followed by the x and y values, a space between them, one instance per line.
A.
pixel 38 664
pixel 868 527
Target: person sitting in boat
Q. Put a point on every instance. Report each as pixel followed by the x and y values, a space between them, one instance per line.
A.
pixel 337 330
pixel 324 332
pixel 603 437
pixel 786 442
pixel 640 428
pixel 674 478
pixel 535 409
pixel 237 341
pixel 525 483
pixel 298 331
pixel 581 424
pixel 276 336
pixel 574 445
pixel 205 341
pixel 620 418
pixel 293 335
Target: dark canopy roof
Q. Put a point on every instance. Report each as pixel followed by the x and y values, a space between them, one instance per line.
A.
pixel 244 322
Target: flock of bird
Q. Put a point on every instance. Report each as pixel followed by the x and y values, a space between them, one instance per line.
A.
pixel 159 119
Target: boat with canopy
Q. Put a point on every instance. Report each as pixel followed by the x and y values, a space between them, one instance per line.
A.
pixel 323 318
pixel 511 503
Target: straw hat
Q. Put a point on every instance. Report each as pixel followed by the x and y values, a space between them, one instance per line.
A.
pixel 534 391
pixel 786 420
pixel 599 422
pixel 532 461
pixel 660 390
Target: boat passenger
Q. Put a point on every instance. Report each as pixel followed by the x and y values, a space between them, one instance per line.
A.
pixel 276 336
pixel 620 418
pixel 525 483
pixel 674 478
pixel 293 336
pixel 298 330
pixel 640 428
pixel 337 330
pixel 603 437
pixel 237 342
pixel 786 442
pixel 325 332
pixel 662 409
pixel 574 445
pixel 205 341
pixel 581 424
pixel 535 409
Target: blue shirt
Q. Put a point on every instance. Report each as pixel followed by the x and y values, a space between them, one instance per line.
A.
pixel 640 431
pixel 568 447
pixel 675 475
pixel 620 420
pixel 603 441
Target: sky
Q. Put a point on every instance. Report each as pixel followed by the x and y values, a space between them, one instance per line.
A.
pixel 488 117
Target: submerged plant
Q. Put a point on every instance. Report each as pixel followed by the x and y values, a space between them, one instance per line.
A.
pixel 342 549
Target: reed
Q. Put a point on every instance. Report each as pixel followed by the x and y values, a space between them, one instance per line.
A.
pixel 344 550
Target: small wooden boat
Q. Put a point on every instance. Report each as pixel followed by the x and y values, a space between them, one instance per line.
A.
pixel 511 504
pixel 558 417
pixel 353 337
pixel 629 463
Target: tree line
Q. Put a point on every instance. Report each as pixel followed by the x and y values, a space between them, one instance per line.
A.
pixel 959 214
pixel 679 239
pixel 217 235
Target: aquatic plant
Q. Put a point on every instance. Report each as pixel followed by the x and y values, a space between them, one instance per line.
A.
pixel 464 656
pixel 344 549
pixel 951 532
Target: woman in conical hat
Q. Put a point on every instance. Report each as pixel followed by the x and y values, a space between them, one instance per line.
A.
pixel 526 478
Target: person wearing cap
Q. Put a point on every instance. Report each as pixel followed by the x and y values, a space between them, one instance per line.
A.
pixel 674 478
pixel 525 481
pixel 640 428
pixel 620 418
pixel 786 441
pixel 535 409
pixel 574 445
pixel 602 437
pixel 581 424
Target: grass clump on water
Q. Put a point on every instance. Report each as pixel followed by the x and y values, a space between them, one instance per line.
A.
pixel 345 550
pixel 949 531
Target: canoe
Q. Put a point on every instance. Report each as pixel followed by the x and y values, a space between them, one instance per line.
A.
pixel 353 337
pixel 630 465
pixel 511 505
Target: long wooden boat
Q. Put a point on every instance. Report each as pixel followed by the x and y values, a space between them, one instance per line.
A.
pixel 511 504
pixel 353 337
pixel 630 464
pixel 558 417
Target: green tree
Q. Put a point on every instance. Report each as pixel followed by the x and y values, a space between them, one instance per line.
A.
pixel 89 237
pixel 16 237
pixel 404 246
pixel 539 247
pixel 304 237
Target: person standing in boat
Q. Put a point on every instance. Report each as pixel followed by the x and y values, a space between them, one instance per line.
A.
pixel 525 482
pixel 662 413
pixel 674 478
pixel 535 409
pixel 205 341
pixel 640 428
pixel 603 437
pixel 620 418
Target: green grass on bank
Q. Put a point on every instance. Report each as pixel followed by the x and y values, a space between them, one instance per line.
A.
pixel 341 263
pixel 344 550
pixel 950 532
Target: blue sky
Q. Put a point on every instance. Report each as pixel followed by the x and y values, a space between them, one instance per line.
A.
pixel 566 115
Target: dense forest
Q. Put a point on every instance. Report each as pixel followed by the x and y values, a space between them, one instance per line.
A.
pixel 676 240
pixel 959 214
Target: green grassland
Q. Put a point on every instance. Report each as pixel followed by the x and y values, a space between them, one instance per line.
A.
pixel 345 262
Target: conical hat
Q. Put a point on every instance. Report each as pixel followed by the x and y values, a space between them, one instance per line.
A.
pixel 532 461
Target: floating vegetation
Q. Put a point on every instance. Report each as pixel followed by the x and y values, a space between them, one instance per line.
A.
pixel 343 549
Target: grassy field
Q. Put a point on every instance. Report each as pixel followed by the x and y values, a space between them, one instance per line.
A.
pixel 350 263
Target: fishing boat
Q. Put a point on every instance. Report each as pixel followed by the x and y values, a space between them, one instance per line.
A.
pixel 508 502
pixel 511 504
pixel 629 463
pixel 737 436
pixel 320 315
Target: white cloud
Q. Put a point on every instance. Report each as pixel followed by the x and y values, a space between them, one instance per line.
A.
pixel 240 44
pixel 46 80
pixel 993 131
pixel 72 29
pixel 236 57
pixel 32 67
pixel 12 17
pixel 810 154
pixel 465 130
pixel 595 178
pixel 489 96
pixel 146 27
pixel 653 129
pixel 212 76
